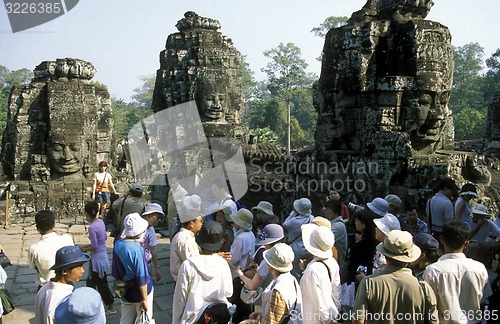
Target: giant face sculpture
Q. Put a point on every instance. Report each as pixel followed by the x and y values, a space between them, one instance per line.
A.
pixel 65 155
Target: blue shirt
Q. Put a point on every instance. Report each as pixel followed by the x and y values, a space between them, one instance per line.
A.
pixel 129 263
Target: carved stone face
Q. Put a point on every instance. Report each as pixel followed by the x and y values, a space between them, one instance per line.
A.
pixel 65 158
pixel 432 114
pixel 212 106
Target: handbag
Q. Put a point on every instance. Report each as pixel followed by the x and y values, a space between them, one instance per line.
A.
pixel 144 319
pixel 249 296
pixel 4 260
pixel 7 302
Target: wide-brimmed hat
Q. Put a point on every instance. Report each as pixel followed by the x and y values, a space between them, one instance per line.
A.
pixel 393 200
pixel 480 210
pixel 468 189
pixel 265 207
pixel 187 215
pixel 69 257
pixel 269 234
pixel 280 257
pixel 379 206
pixel 303 206
pixel 82 306
pixel 426 242
pixel 387 223
pixel 136 187
pixel 318 240
pixel 134 225
pixel 192 202
pixel 398 245
pixel 321 221
pixel 209 237
pixel 152 208
pixel 243 218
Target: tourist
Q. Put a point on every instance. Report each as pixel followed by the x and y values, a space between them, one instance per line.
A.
pixel 183 245
pixel 3 280
pixel 148 241
pixel 282 298
pixel 463 206
pixel 412 222
pixel 192 202
pixel 430 253
pixel 301 214
pixel 363 250
pixel 335 196
pixel 439 209
pixel 102 182
pixel 258 275
pixel 382 227
pixel 130 266
pixel 82 306
pixel 128 204
pixel 244 240
pixel 320 281
pixel 458 282
pixel 242 250
pixel 395 291
pixel 204 282
pixel 378 207
pixel 483 238
pixel 223 217
pixel 42 255
pixel 209 204
pixel 99 263
pixel 332 210
pixel 68 268
pixel 394 204
pixel 263 215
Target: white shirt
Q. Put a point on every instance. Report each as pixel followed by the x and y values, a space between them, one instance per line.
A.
pixel 458 284
pixel 3 280
pixel 147 241
pixel 42 255
pixel 203 280
pixel 182 247
pixel 48 298
pixel 320 296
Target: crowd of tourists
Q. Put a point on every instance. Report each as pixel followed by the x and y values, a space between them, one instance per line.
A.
pixel 231 264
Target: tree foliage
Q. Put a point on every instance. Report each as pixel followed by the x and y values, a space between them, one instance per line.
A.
pixel 329 23
pixel 9 79
pixel 288 83
pixel 143 96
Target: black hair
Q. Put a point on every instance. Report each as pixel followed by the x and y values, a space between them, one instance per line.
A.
pixel 103 164
pixel 365 216
pixel 91 208
pixel 455 234
pixel 410 206
pixel 135 193
pixel 261 220
pixel 334 205
pixel 44 220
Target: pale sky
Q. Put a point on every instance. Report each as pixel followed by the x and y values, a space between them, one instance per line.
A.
pixel 123 38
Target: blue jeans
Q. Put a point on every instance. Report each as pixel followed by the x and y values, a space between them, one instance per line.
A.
pixel 102 197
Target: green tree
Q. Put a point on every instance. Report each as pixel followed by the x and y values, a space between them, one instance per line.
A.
pixel 143 97
pixel 467 96
pixel 126 115
pixel 329 23
pixel 467 78
pixel 492 77
pixel 9 79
